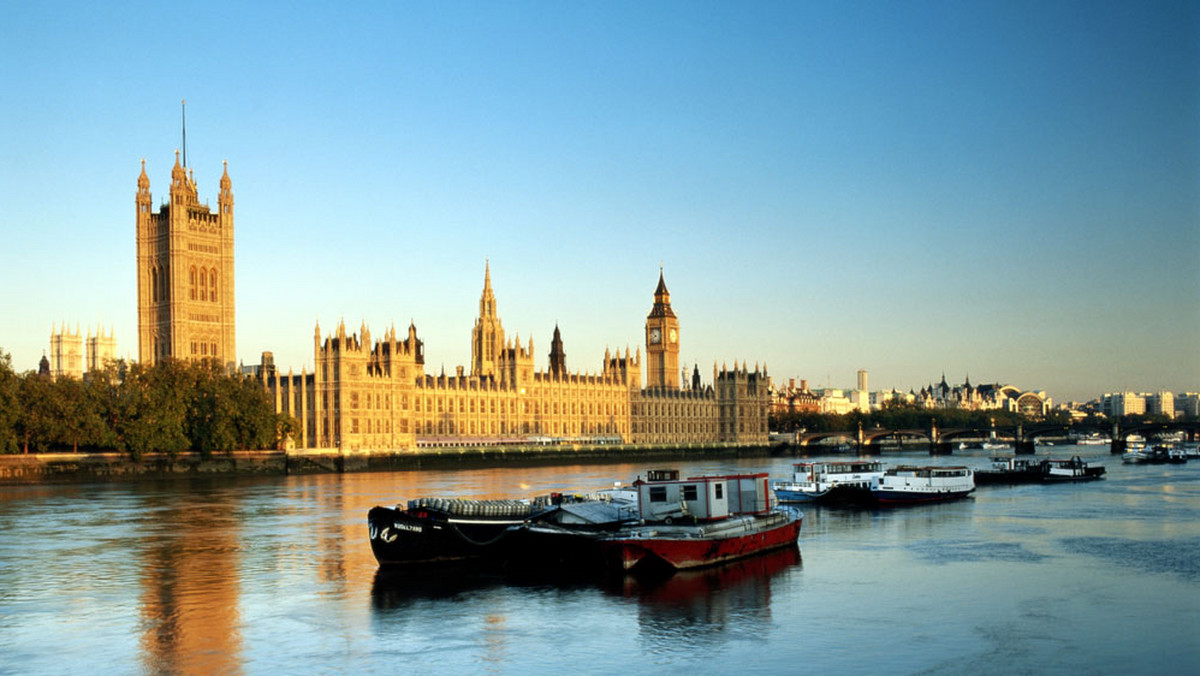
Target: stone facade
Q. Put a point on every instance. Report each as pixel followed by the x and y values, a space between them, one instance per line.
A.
pixel 368 394
pixel 185 273
pixel 66 353
pixel 101 349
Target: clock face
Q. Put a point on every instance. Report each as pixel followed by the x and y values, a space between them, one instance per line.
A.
pixel 655 336
pixel 674 336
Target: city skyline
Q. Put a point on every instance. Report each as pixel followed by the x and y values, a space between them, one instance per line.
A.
pixel 1005 192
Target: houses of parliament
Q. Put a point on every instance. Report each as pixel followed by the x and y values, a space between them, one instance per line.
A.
pixel 370 393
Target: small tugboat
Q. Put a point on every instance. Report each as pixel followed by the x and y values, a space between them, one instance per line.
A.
pixel 909 485
pixel 699 521
pixel 1075 469
pixel 829 481
pixel 1011 470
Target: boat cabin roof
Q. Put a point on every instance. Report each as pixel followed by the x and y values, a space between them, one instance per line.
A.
pixel 929 470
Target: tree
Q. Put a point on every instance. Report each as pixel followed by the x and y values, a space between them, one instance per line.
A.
pixel 38 426
pixel 9 404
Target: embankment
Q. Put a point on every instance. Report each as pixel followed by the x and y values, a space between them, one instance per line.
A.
pixel 85 467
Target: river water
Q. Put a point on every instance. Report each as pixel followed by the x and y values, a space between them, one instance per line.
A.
pixel 275 575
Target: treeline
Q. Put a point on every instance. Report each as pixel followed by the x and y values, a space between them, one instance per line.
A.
pixel 171 407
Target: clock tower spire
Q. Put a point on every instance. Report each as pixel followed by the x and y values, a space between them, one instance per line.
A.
pixel 662 341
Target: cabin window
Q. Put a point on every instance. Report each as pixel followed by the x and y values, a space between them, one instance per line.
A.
pixel 689 492
pixel 719 491
pixel 658 494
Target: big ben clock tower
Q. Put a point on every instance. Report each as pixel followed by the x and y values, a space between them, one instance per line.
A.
pixel 662 341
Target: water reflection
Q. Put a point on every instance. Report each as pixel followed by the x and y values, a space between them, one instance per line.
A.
pixel 276 575
pixel 682 610
pixel 692 609
pixel 189 586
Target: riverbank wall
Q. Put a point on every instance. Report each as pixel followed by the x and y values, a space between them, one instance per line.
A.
pixel 90 467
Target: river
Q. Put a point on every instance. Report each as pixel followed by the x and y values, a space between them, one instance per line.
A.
pixel 275 575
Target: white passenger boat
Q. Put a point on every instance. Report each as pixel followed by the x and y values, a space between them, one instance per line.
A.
pixel 907 484
pixel 826 481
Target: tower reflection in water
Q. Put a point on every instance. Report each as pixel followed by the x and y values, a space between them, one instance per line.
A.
pixel 189 580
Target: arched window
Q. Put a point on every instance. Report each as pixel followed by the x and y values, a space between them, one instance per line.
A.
pixel 154 284
pixel 212 284
pixel 192 282
pixel 203 284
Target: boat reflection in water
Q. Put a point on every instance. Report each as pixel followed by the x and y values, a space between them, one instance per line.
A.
pixel 697 594
pixel 693 608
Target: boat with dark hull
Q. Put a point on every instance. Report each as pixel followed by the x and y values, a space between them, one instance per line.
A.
pixel 441 530
pixel 1010 470
pixel 1073 469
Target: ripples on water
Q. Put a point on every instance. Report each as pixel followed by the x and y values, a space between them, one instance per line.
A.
pixel 270 576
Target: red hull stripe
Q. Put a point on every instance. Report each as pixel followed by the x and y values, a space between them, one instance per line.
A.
pixel 695 552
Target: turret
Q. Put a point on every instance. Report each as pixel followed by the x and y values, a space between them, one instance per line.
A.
pixel 225 197
pixel 558 358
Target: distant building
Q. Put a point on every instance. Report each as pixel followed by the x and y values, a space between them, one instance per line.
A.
pixel 66 353
pixel 69 352
pixel 185 272
pixel 1118 404
pixel 377 395
pixel 1161 403
pixel 101 349
pixel 883 397
pixel 1188 404
pixel 835 401
pixel 794 399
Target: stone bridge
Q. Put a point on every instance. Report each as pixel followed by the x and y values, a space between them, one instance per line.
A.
pixel 1021 438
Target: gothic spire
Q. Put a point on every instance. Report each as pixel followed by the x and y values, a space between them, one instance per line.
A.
pixel 662 299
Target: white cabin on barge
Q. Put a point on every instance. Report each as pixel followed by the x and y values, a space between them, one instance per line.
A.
pixel 664 497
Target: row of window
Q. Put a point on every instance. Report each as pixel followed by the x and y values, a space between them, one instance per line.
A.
pixel 203 349
pixel 202 284
pixel 447 427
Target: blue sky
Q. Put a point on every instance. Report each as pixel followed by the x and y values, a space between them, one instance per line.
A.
pixel 1005 190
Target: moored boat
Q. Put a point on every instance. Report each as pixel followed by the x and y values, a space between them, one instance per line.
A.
pixel 828 481
pixel 908 484
pixel 700 521
pixel 1073 469
pixel 1010 470
pixel 447 530
pixel 1154 454
pixel 440 530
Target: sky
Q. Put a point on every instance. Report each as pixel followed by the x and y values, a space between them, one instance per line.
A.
pixel 1002 191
